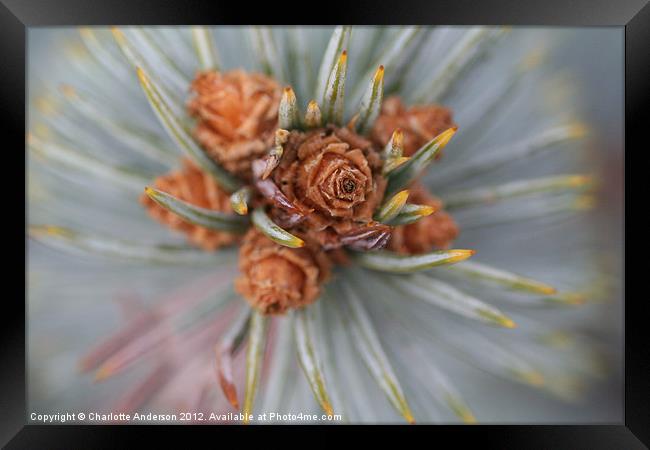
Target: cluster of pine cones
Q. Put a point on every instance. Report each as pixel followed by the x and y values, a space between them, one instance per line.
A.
pixel 324 188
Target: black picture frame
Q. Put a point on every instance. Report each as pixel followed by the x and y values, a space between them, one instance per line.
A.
pixel 17 15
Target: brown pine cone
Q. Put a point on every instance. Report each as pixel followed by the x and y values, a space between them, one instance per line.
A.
pixel 335 176
pixel 419 124
pixel 194 186
pixel 237 113
pixel 275 278
pixel 436 231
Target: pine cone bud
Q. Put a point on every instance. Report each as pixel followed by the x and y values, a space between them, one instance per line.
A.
pixel 419 123
pixel 276 278
pixel 237 113
pixel 336 175
pixel 198 188
pixel 436 231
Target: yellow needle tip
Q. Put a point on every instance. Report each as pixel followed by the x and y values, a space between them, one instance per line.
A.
pixel 577 130
pixel 299 243
pixel 141 75
pixel 468 418
pixel 67 90
pixel 459 255
pixel 548 290
pixel 401 196
pixel 103 373
pixel 444 137
pixel 379 74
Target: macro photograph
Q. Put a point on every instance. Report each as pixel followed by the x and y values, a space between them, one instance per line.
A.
pixel 380 224
pixel 239 224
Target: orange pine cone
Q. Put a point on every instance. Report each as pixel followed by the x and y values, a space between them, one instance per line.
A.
pixel 237 113
pixel 436 231
pixel 192 185
pixel 335 175
pixel 275 278
pixel 419 123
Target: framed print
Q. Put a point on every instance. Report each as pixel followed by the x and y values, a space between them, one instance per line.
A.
pixel 230 222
